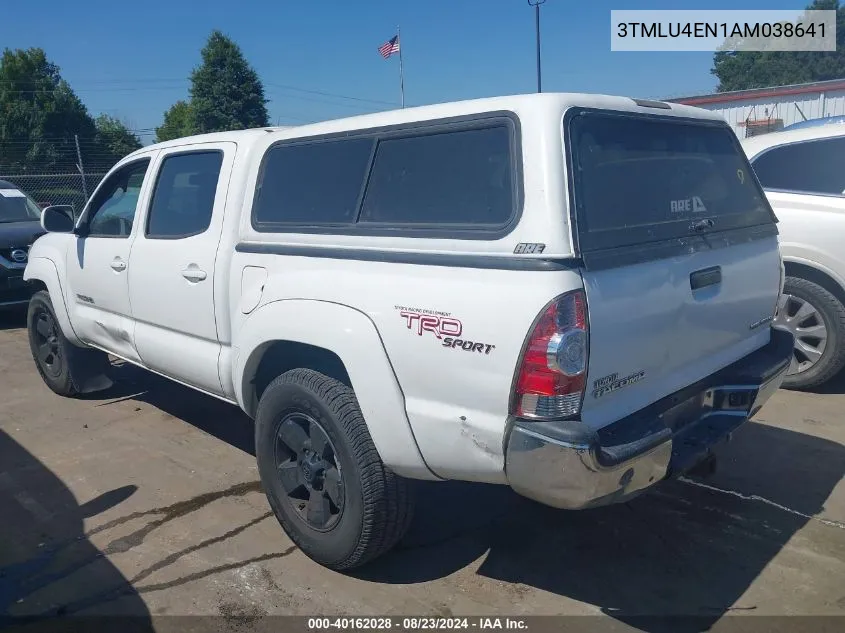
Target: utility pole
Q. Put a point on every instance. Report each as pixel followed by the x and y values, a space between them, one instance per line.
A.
pixel 536 4
pixel 80 167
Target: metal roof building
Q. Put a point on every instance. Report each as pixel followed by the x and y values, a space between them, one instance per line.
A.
pixel 762 110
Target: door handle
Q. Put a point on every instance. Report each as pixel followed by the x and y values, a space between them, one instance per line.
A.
pixel 118 265
pixel 194 274
pixel 705 277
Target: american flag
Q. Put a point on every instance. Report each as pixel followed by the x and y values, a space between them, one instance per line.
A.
pixel 388 48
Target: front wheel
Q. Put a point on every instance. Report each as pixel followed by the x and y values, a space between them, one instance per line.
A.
pixel 816 319
pixel 322 473
pixel 66 369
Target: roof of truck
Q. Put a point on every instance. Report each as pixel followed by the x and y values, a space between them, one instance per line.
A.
pixel 521 104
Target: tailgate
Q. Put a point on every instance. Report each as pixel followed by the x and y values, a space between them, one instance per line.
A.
pixel 682 268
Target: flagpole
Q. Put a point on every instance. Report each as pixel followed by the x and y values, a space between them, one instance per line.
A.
pixel 401 71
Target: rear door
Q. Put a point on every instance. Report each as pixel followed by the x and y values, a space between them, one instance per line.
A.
pixel 682 268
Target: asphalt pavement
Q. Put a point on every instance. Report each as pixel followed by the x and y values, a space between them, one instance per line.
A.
pixel 145 500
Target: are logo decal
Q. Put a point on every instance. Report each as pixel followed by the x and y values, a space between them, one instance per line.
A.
pixel 687 205
pixel 528 248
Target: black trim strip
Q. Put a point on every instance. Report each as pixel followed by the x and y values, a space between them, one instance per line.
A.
pixel 651 251
pixel 487 262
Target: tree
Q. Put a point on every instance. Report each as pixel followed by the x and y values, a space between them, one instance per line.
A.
pixel 178 122
pixel 226 93
pixel 39 113
pixel 113 139
pixel 761 69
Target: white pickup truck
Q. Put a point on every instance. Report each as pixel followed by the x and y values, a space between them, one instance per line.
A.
pixel 568 294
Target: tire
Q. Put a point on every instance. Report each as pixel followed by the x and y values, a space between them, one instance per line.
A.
pixel 66 369
pixel 821 313
pixel 354 508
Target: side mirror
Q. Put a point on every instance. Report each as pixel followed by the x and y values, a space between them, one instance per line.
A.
pixel 57 218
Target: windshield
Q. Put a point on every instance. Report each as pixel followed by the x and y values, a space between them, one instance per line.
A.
pixel 16 206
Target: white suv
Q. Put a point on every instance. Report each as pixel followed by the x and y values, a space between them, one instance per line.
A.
pixel 802 173
pixel 569 294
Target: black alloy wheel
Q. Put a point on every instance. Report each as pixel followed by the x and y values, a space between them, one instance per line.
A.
pixel 47 343
pixel 309 471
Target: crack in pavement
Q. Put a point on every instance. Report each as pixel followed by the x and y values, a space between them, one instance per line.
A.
pixel 180 508
pixel 127 588
pixel 21 580
pixel 739 495
pixel 172 558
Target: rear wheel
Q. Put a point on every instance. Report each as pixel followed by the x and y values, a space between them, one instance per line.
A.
pixel 66 369
pixel 322 473
pixel 817 320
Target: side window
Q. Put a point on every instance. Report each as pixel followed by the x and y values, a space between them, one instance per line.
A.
pixel 112 210
pixel 183 198
pixel 812 167
pixel 313 183
pixel 460 177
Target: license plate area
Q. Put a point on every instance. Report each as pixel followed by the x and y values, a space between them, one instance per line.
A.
pixel 684 413
pixel 734 400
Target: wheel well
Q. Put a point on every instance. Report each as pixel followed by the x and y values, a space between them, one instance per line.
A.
pixel 817 277
pixel 38 284
pixel 281 356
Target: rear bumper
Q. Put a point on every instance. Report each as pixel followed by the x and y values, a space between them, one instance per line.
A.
pixel 567 464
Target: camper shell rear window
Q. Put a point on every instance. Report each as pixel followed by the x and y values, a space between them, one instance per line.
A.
pixel 636 179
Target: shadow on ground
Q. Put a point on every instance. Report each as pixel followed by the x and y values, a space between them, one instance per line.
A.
pixel 681 550
pixel 46 560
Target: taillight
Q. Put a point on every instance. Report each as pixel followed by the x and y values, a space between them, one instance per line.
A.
pixel 552 373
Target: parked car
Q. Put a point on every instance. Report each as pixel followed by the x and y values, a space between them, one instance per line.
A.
pixel 569 294
pixel 828 120
pixel 800 172
pixel 19 227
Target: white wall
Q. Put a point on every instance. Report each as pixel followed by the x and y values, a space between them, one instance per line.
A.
pixel 813 105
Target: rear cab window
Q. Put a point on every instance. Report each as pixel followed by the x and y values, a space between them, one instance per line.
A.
pixel 640 179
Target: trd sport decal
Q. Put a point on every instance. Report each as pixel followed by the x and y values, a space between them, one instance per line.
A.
pixel 443 326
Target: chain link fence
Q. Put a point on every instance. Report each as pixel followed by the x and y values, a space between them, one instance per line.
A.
pixel 56 188
pixel 67 180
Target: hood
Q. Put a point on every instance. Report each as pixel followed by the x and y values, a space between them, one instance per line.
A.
pixel 19 233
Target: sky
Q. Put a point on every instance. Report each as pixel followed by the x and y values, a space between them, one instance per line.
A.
pixel 319 59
